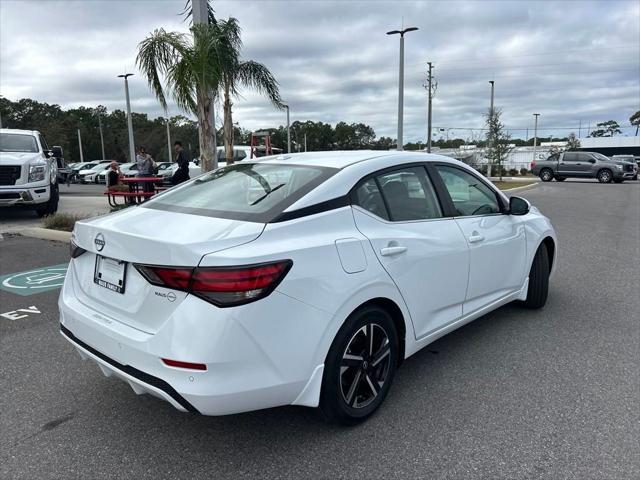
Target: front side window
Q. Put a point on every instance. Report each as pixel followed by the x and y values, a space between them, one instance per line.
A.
pixel 469 194
pixel 245 191
pixel 13 142
pixel 400 195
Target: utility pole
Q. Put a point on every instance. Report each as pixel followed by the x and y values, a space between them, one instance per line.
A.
pixel 535 135
pixel 401 82
pixel 288 131
pixel 305 142
pixel 580 129
pixel 169 142
pixel 492 82
pixel 101 137
pixel 200 12
pixel 132 148
pixel 432 86
pixel 80 146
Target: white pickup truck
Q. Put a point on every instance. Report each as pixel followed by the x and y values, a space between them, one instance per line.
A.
pixel 28 171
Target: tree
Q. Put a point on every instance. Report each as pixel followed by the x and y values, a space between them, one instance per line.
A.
pixel 573 143
pixel 606 129
pixel 634 120
pixel 498 140
pixel 191 67
pixel 236 73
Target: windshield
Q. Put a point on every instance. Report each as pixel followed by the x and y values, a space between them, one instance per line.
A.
pixel 252 192
pixel 13 142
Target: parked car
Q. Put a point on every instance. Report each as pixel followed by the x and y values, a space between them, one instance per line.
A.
pixel 303 282
pixel 127 169
pixel 167 173
pixel 629 159
pixel 583 165
pixel 28 171
pixel 90 175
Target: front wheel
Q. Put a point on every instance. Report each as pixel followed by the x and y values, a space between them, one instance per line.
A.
pixel 360 366
pixel 604 176
pixel 538 280
pixel 546 175
pixel 51 206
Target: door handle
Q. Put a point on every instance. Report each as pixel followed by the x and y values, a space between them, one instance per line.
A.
pixel 475 238
pixel 390 251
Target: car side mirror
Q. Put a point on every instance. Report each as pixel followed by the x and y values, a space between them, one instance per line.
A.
pixel 518 206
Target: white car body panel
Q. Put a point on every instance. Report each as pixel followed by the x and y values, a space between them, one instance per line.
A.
pixel 272 351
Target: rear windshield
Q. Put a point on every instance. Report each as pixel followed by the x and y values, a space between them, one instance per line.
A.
pixel 12 142
pixel 253 192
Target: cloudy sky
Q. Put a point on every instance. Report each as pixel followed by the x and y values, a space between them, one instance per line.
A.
pixel 572 61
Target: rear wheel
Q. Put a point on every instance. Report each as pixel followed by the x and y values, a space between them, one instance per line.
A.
pixel 360 366
pixel 538 280
pixel 604 176
pixel 51 206
pixel 546 175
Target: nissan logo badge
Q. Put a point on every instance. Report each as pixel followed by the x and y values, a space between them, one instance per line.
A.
pixel 99 242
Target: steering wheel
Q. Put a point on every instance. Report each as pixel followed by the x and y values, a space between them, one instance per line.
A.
pixel 478 210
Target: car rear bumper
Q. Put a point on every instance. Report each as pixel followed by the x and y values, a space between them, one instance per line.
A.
pixel 246 369
pixel 24 196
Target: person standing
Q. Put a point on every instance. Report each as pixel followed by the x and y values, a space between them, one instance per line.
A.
pixel 182 159
pixel 144 163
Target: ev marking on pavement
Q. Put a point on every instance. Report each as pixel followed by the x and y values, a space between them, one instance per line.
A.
pixel 34 281
pixel 16 315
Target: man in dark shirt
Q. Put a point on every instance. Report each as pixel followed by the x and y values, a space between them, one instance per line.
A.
pixel 182 173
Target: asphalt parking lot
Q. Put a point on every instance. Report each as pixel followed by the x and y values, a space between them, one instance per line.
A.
pixel 516 394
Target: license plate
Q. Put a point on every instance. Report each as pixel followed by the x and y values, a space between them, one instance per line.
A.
pixel 110 273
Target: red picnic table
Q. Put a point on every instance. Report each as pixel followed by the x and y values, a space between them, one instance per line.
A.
pixel 136 193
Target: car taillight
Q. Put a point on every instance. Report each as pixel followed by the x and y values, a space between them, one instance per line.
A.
pixel 222 286
pixel 533 164
pixel 74 250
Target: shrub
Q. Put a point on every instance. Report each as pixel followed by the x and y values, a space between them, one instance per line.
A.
pixel 482 169
pixel 524 171
pixel 513 172
pixel 61 221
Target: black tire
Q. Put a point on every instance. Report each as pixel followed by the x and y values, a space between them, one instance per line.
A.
pixel 538 280
pixel 604 176
pixel 51 206
pixel 635 177
pixel 546 174
pixel 348 397
pixel 561 179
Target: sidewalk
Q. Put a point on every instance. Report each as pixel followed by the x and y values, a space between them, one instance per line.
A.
pixel 16 219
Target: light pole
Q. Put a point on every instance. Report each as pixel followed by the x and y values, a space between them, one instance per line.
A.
pixel 288 131
pixel 491 121
pixel 401 81
pixel 80 146
pixel 169 141
pixel 535 135
pixel 132 150
pixel 101 137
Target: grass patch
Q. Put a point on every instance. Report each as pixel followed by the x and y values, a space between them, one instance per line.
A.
pixel 509 185
pixel 61 221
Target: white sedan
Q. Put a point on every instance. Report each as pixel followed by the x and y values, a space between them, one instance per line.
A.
pixel 305 279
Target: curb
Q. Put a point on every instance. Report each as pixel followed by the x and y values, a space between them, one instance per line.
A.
pixel 524 187
pixel 44 234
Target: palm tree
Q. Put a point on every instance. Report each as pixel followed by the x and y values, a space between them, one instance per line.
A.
pixel 192 67
pixel 235 75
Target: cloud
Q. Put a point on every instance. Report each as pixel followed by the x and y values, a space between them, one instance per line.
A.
pixel 570 61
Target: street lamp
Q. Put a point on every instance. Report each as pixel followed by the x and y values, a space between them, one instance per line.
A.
pixel 132 150
pixel 288 131
pixel 401 81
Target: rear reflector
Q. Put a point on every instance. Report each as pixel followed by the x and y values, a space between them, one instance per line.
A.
pixel 179 364
pixel 222 286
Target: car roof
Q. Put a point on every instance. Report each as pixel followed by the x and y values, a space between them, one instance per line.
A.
pixel 18 131
pixel 334 159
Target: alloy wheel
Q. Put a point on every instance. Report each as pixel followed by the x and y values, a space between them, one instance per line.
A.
pixel 365 365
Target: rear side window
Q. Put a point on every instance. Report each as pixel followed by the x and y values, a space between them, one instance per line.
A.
pixel 570 157
pixel 400 195
pixel 256 192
